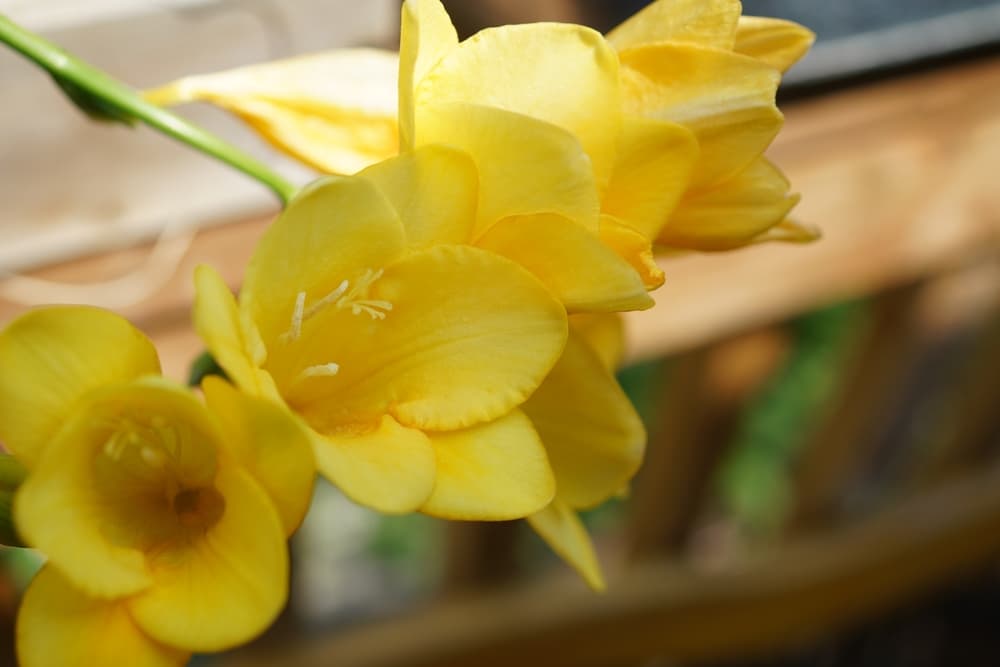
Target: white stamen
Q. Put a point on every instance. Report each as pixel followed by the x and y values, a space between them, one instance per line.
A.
pixel 328 299
pixel 343 297
pixel 320 370
pixel 297 313
pixel 374 308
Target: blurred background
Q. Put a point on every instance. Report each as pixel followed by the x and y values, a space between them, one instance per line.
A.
pixel 822 485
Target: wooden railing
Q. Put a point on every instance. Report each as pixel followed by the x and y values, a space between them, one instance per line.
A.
pixel 901 175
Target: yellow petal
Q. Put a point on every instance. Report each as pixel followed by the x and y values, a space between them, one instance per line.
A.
pixel 705 22
pixel 226 587
pixel 426 36
pixel 726 99
pixel 333 230
pixel 655 159
pixel 634 247
pixel 525 165
pixel 492 472
pixel 777 42
pixel 469 336
pixel 389 468
pixel 733 212
pixel 563 74
pixel 58 511
pixel 51 359
pixel 230 338
pixel 95 521
pixel 59 625
pixel 789 231
pixel 571 261
pixel 434 190
pixel 593 436
pixel 332 144
pixel 270 444
pixel 604 333
pixel 563 531
pixel 334 110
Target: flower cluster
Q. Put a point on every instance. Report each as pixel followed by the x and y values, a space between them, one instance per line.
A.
pixel 436 332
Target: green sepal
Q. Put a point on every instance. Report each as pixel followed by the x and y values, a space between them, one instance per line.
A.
pixel 12 474
pixel 203 366
pixel 95 107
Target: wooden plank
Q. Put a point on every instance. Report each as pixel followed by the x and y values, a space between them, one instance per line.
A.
pixel 666 491
pixel 704 394
pixel 843 439
pixel 479 555
pixel 967 431
pixel 773 601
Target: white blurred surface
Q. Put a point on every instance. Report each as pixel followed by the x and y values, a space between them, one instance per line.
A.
pixel 70 186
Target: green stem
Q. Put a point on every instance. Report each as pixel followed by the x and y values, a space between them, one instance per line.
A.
pixel 124 100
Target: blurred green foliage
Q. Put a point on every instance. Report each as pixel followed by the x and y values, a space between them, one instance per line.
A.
pixel 410 546
pixel 753 483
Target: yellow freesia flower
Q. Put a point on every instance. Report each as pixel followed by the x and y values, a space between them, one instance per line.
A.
pixel 700 64
pixel 407 356
pixel 163 520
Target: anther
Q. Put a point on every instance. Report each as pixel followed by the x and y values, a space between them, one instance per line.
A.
pixel 115 447
pixel 376 309
pixel 320 370
pixel 153 457
pixel 297 315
